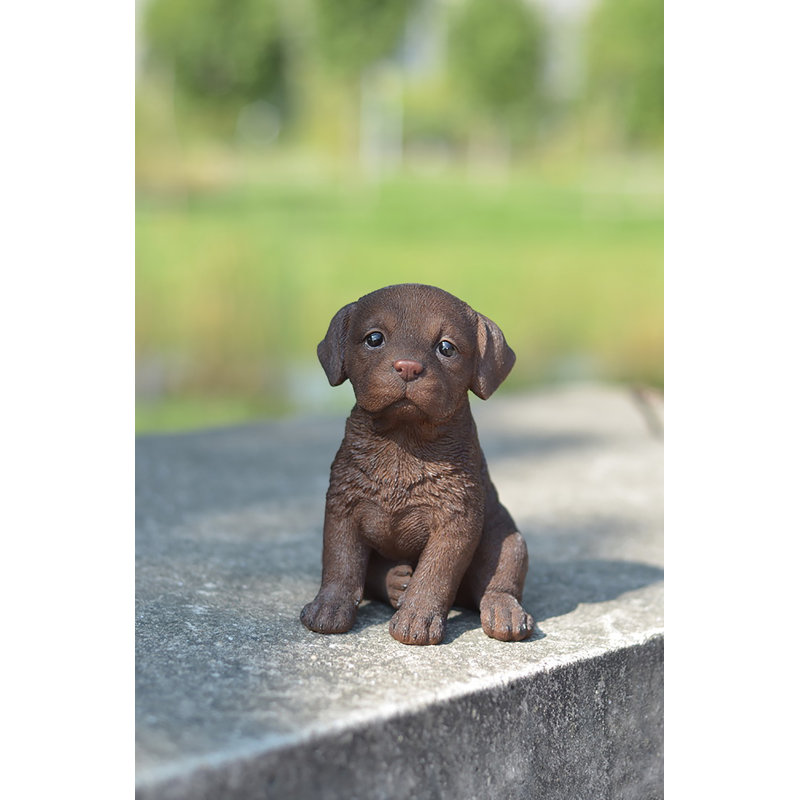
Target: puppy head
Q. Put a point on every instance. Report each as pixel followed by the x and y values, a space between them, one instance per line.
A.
pixel 412 352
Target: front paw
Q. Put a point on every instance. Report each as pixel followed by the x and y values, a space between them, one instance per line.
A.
pixel 412 626
pixel 330 612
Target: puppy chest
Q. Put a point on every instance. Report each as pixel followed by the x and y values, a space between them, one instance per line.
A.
pixel 399 521
pixel 398 486
pixel 397 535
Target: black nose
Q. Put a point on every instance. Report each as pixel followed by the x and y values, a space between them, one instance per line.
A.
pixel 408 369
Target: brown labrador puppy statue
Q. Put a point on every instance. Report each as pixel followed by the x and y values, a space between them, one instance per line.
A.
pixel 412 517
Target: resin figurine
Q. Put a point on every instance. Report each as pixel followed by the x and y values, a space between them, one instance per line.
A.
pixel 412 517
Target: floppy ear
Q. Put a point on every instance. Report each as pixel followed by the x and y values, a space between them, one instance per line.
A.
pixel 331 349
pixel 493 359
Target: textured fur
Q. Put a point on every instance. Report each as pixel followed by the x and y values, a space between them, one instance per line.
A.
pixel 412 517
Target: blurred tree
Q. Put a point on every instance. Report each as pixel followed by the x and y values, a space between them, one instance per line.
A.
pixel 355 34
pixel 223 51
pixel 495 54
pixel 356 40
pixel 625 68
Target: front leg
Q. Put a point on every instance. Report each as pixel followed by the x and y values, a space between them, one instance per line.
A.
pixel 344 567
pixel 422 616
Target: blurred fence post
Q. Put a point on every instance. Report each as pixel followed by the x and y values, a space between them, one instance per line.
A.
pixel 380 146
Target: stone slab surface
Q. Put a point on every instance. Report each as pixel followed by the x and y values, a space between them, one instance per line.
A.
pixel 235 698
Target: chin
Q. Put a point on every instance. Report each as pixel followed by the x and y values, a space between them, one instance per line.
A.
pixel 403 410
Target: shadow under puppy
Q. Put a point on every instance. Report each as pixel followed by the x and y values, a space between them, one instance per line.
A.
pixel 412 516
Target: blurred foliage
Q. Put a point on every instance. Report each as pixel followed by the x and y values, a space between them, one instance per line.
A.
pixel 496 50
pixel 257 217
pixel 221 51
pixel 236 288
pixel 354 34
pixel 625 69
pixel 300 56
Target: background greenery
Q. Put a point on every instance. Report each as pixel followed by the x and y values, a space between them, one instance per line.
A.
pixel 292 156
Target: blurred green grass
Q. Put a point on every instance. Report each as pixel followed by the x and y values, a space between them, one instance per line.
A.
pixel 236 284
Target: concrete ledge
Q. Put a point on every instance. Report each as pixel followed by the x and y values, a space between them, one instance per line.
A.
pixel 235 699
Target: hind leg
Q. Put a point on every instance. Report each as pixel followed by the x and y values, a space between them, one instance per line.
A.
pixel 494 581
pixel 387 580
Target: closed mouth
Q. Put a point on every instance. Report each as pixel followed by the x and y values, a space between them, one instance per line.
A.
pixel 402 406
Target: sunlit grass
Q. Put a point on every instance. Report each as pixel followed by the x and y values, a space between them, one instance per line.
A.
pixel 236 286
pixel 187 411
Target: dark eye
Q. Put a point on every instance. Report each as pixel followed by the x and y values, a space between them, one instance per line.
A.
pixel 374 339
pixel 446 348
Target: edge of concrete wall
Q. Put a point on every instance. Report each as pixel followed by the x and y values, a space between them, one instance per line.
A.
pixel 588 729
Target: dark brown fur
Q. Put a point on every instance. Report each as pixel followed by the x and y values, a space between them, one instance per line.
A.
pixel 412 517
